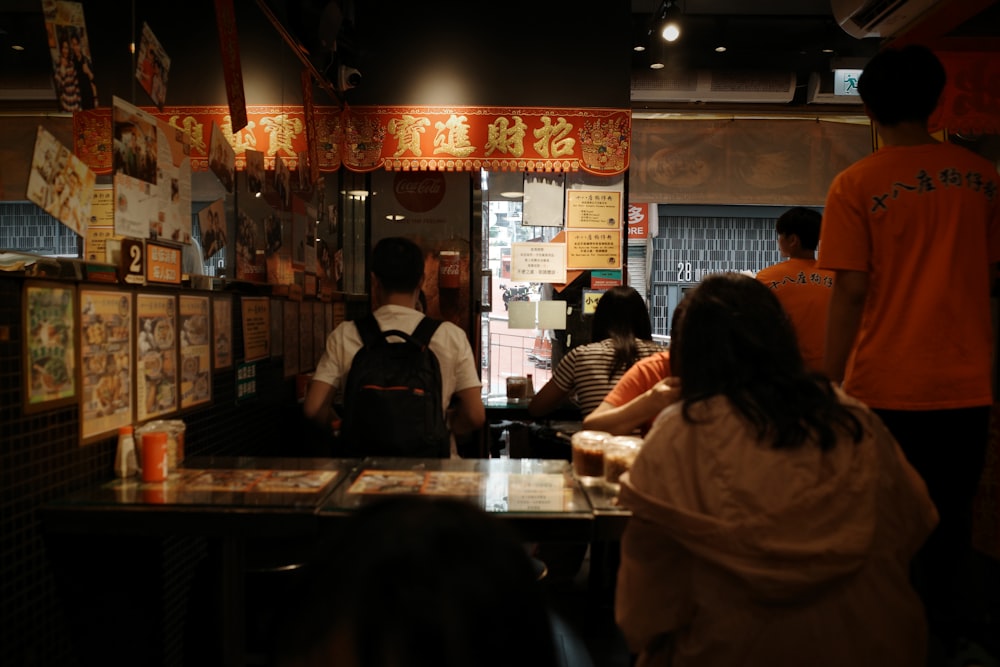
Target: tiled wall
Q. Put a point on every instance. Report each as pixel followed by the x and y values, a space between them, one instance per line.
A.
pixel 688 247
pixel 41 460
pixel 26 227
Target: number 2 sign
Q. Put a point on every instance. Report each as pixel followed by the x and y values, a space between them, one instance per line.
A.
pixel 133 262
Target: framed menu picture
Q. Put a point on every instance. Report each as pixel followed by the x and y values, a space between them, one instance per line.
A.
pixel 222 332
pixel 196 350
pixel 156 387
pixel 256 312
pixel 106 360
pixel 49 346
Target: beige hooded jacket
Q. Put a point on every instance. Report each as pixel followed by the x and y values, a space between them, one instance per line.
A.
pixel 739 554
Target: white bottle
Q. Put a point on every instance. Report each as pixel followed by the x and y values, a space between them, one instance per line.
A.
pixel 125 464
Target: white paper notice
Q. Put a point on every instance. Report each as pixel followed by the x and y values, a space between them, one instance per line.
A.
pixel 543 200
pixel 538 262
pixel 551 314
pixel 521 314
pixel 535 493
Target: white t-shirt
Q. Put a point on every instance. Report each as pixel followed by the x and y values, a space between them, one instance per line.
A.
pixel 449 344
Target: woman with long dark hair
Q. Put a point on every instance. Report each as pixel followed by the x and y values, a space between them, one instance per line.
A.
pixel 621 334
pixel 774 517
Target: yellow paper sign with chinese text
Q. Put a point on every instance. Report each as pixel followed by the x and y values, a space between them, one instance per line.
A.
pixel 593 249
pixel 589 209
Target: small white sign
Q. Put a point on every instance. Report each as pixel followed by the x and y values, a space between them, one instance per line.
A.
pixel 535 493
pixel 845 82
pixel 538 262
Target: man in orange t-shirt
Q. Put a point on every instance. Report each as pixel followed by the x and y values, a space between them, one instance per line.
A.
pixel 913 235
pixel 803 290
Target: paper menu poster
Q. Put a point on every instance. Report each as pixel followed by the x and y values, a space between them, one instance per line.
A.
pixel 60 183
pixel 152 176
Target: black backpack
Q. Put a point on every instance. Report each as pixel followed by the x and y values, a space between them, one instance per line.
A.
pixel 392 399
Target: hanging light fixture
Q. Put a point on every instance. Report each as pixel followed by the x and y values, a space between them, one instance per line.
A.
pixel 670 27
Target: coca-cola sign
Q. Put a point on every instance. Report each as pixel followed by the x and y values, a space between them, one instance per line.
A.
pixel 419 192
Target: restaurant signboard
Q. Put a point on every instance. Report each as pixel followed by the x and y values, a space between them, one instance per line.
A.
pixel 527 139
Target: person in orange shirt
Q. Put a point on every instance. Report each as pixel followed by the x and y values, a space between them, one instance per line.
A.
pixel 803 290
pixel 640 395
pixel 912 233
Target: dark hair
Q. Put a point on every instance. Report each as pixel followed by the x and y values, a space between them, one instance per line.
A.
pixel 735 340
pixel 899 85
pixel 803 222
pixel 622 316
pixel 398 263
pixel 414 581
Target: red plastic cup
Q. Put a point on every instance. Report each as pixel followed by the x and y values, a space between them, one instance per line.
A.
pixel 154 456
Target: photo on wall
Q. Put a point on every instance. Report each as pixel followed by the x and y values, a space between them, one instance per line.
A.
pixel 283 182
pixel 222 158
pixel 60 183
pixel 152 66
pixel 212 221
pixel 255 171
pixel 152 176
pixel 72 67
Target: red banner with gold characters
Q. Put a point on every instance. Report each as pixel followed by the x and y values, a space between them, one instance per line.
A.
pixel 970 102
pixel 394 138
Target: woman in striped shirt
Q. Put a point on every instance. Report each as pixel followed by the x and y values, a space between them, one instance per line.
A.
pixel 621 334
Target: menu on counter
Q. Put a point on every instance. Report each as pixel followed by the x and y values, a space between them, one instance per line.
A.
pixel 156 370
pixel 256 327
pixel 196 352
pixel 187 480
pixel 222 331
pixel 50 342
pixel 597 209
pixel 106 361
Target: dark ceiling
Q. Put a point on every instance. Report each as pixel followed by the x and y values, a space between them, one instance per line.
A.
pixel 788 35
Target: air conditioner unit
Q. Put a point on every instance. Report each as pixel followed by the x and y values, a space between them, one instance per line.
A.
pixel 878 18
pixel 821 91
pixel 714 86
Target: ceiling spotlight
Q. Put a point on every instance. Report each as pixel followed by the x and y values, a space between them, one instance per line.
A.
pixel 17 47
pixel 656 65
pixel 638 48
pixel 669 24
pixel 720 49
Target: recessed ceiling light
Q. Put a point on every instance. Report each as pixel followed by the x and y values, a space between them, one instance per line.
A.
pixel 827 50
pixel 512 194
pixel 639 48
pixel 656 66
pixel 17 47
pixel 395 217
pixel 720 49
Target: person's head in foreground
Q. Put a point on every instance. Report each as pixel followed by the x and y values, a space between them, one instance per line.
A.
pixel 902 85
pixel 734 339
pixel 420 582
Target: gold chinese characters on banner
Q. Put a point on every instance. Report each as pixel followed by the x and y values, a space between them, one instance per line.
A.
pixel 536 139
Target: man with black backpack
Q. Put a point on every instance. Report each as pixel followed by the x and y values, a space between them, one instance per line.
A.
pixel 407 382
